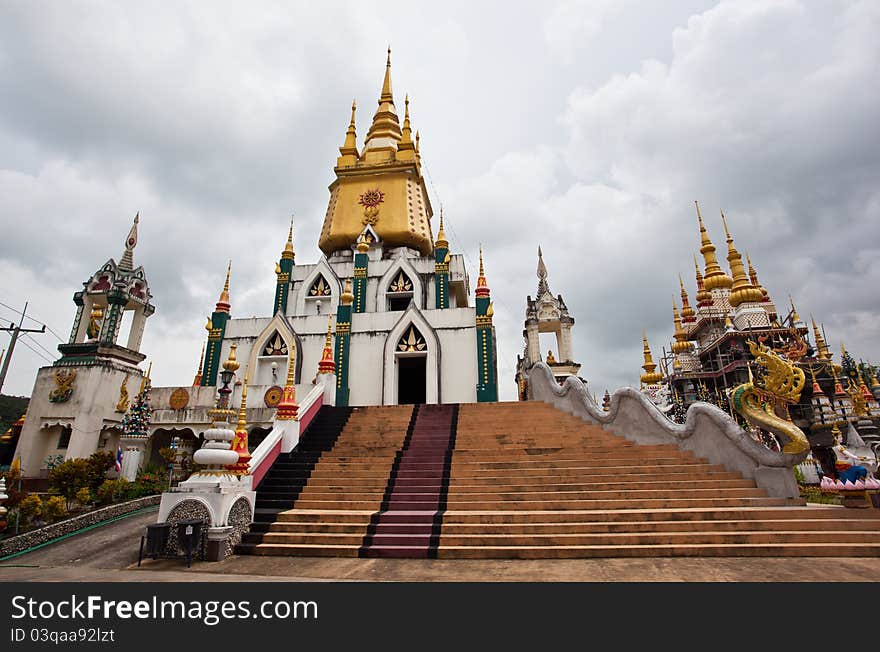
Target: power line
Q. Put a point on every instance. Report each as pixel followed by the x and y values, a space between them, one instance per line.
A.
pixel 16 331
pixel 49 360
pixel 48 328
pixel 34 341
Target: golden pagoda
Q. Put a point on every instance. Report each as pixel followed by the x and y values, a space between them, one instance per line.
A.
pixel 650 377
pixel 380 186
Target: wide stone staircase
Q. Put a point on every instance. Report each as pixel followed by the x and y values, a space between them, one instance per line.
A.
pixel 522 480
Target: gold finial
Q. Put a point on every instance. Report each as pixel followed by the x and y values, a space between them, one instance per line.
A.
pixel 242 411
pixel 126 263
pixel 703 297
pixel 347 296
pixel 482 287
pixel 387 95
pixel 362 245
pixel 198 377
pixel 231 363
pixel 288 253
pixel 349 150
pixel 441 242
pixel 822 352
pixel 681 343
pixel 687 313
pixel 385 125
pixel 715 277
pixel 650 377
pixel 795 317
pixel 223 304
pixel 145 381
pixel 327 365
pixel 742 291
pixel 753 277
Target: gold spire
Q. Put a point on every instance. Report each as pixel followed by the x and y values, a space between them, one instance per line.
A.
pixel 822 352
pixel 482 287
pixel 242 411
pixel 441 242
pixel 198 378
pixel 223 304
pixel 347 296
pixel 753 277
pixel 687 313
pixel 702 296
pixel 349 150
pixel 795 317
pixel 743 291
pixel 288 254
pixel 384 133
pixel 406 149
pixel 650 377
pixel 327 365
pixel 231 363
pixel 418 153
pixel 126 263
pixel 287 408
pixel 145 381
pixel 715 277
pixel 681 344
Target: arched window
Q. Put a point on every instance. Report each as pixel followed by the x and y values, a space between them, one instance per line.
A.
pixel 275 345
pixel 320 288
pixel 412 341
pixel 400 292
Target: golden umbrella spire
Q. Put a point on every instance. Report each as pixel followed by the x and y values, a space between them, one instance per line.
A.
pixel 687 313
pixel 822 352
pixel 349 150
pixel 703 297
pixel 441 242
pixel 288 248
pixel 650 377
pixel 715 276
pixel 681 344
pixel 743 291
pixel 482 287
pixel 198 378
pixel 385 131
pixel 223 304
pixel 753 277
pixel 327 365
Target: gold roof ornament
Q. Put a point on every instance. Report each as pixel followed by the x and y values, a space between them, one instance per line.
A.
pixel 288 254
pixel 406 149
pixel 441 242
pixel 687 313
pixel 753 277
pixel 145 381
pixel 742 290
pixel 703 297
pixel 126 263
pixel 349 150
pixel 197 380
pixel 822 352
pixel 347 296
pixel 385 132
pixel 231 363
pixel 681 343
pixel 795 317
pixel 362 245
pixel 650 377
pixel 223 304
pixel 715 276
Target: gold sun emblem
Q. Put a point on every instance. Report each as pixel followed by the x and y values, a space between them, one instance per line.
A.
pixel 370 200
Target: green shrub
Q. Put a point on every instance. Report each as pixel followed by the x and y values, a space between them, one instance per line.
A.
pixel 69 477
pixel 112 491
pixel 84 496
pixel 54 509
pixel 31 506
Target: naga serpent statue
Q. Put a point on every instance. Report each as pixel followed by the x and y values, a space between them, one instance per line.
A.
pixel 759 400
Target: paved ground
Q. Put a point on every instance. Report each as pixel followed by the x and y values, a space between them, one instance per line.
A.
pixel 109 554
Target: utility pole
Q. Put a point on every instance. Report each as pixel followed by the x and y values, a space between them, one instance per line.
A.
pixel 16 331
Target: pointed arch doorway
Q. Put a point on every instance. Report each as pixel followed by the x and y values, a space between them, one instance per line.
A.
pixel 411 362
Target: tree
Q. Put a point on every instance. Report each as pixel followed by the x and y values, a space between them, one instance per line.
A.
pixel 136 421
pixel 69 477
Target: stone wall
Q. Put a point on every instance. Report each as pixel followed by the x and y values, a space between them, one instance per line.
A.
pixel 48 533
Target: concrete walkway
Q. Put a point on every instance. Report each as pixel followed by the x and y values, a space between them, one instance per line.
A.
pixel 109 554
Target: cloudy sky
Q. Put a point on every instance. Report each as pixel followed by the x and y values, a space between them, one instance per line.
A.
pixel 588 127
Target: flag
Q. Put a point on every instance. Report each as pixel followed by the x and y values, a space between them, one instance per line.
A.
pixel 118 459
